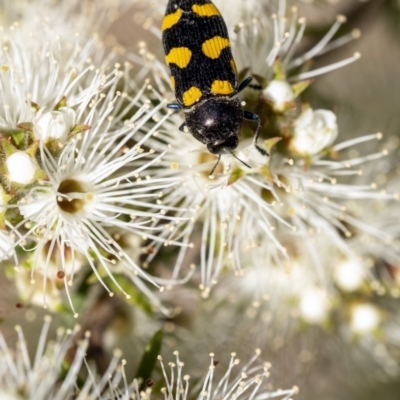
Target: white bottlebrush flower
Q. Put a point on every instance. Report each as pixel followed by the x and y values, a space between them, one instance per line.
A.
pixel 236 10
pixel 83 198
pixel 57 365
pixel 226 207
pixel 262 41
pixel 48 55
pixel 54 371
pixel 21 168
pixel 94 182
pixel 243 208
pixel 314 130
pixel 280 93
pixel 22 378
pixel 301 190
pixel 78 16
pixel 246 382
pixel 55 124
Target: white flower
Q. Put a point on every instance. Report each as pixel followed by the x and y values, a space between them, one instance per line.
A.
pixel 245 208
pixel 280 93
pixel 263 41
pixel 55 124
pixel 349 275
pixel 20 377
pixel 234 11
pixel 313 131
pixel 21 168
pixel 50 55
pixel 54 371
pixel 314 305
pixel 98 184
pixel 365 319
pixel 279 200
pixel 98 180
pixel 248 382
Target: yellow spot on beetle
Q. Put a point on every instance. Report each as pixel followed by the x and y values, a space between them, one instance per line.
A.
pixel 173 82
pixel 213 47
pixel 180 56
pixel 205 10
pixel 233 65
pixel 171 19
pixel 221 87
pixel 191 96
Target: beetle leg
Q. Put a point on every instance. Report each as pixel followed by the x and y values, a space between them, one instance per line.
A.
pixel 244 84
pixel 254 117
pixel 256 86
pixel 174 106
pixel 182 127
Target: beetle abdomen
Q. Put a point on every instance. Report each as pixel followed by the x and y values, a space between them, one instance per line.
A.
pixel 197 48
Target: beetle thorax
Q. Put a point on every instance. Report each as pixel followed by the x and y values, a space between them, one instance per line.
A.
pixel 216 122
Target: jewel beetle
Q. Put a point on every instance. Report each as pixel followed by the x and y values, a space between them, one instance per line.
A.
pixel 204 75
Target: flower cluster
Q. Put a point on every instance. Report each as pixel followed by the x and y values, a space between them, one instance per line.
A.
pixel 279 203
pixel 76 189
pixel 65 358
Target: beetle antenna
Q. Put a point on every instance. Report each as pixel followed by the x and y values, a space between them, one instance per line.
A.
pixel 248 166
pixel 215 166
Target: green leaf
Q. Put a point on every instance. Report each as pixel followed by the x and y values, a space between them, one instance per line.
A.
pixel 26 126
pixel 279 71
pixel 8 148
pixel 18 137
pixel 61 103
pixel 78 129
pixel 35 106
pixel 267 174
pixel 236 174
pixel 32 149
pixel 149 358
pixel 299 87
pixel 3 226
pixel 40 175
pixel 270 143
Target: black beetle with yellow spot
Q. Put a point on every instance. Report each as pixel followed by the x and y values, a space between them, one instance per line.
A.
pixel 204 75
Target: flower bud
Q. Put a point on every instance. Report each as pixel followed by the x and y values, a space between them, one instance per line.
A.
pixel 280 93
pixel 21 168
pixel 313 131
pixel 55 124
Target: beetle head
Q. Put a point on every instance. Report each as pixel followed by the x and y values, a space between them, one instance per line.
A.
pixel 216 122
